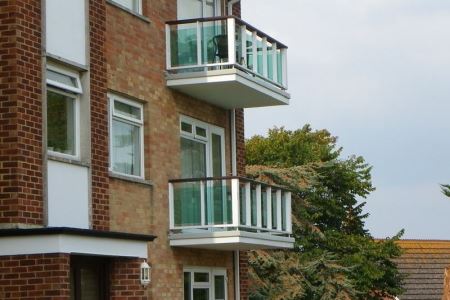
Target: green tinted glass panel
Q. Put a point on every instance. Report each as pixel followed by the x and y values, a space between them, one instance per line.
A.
pixel 269 62
pixel 259 49
pixel 279 68
pixel 242 204
pixel 249 46
pixel 183 45
pixel 264 209
pixel 274 210
pixel 254 211
pixel 283 211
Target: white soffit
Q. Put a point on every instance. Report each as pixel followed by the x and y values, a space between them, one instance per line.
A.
pixel 229 88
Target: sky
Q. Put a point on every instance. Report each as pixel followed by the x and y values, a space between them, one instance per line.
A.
pixel 376 74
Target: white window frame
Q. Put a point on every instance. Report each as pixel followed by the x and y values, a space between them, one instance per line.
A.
pixel 69 73
pixel 112 98
pixel 210 285
pixel 71 92
pixel 210 129
pixel 137 3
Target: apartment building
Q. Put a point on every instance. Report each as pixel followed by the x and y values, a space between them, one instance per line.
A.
pixel 122 149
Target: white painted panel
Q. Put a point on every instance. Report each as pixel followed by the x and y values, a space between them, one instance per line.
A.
pixel 68 195
pixel 66 29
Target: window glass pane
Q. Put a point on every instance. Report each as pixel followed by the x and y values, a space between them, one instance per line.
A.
pixel 130 4
pixel 62 78
pixel 201 277
pixel 127 110
pixel 193 159
pixel 60 123
pixel 219 287
pixel 200 131
pixel 186 127
pixel 187 285
pixel 201 294
pixel 89 284
pixel 126 148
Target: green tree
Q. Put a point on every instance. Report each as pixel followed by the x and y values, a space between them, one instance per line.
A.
pixel 334 256
pixel 446 189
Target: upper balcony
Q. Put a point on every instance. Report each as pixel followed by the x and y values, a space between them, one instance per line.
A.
pixel 226 62
pixel 229 213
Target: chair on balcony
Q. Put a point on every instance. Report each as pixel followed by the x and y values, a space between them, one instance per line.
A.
pixel 221 47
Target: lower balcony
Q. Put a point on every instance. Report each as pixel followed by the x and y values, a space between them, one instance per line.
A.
pixel 229 213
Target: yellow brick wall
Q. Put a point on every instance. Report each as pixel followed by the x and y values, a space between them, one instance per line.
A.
pixel 135 52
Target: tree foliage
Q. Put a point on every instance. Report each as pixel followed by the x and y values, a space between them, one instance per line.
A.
pixel 446 189
pixel 334 256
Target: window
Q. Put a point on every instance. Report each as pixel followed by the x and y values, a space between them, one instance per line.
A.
pixel 126 136
pixel 133 5
pixel 63 93
pixel 205 284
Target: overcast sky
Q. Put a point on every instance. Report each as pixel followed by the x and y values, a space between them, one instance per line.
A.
pixel 375 73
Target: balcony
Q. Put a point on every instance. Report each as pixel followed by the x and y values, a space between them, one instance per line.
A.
pixel 229 213
pixel 226 62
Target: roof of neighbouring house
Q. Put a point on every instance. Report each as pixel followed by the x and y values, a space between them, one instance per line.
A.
pixel 424 262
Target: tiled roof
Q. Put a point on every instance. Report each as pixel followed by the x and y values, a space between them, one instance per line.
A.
pixel 424 263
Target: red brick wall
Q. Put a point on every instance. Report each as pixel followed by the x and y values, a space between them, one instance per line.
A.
pixel 42 276
pixel 99 116
pixel 20 113
pixel 125 280
pixel 240 149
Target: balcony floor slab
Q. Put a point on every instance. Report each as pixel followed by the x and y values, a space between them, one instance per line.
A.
pixel 231 240
pixel 228 88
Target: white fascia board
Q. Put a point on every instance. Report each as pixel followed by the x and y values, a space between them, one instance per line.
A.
pixel 64 243
pixel 233 239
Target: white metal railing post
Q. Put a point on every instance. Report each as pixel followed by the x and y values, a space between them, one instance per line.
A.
pixel 269 207
pixel 171 207
pixel 248 205
pixel 258 206
pixel 254 52
pixel 199 44
pixel 264 56
pixel 243 58
pixel 168 48
pixel 288 212
pixel 202 203
pixel 284 66
pixel 235 201
pixel 274 62
pixel 279 220
pixel 231 41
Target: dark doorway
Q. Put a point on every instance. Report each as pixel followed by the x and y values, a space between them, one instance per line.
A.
pixel 89 278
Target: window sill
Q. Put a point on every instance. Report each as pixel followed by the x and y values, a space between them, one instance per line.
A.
pixel 67 160
pixel 130 179
pixel 137 15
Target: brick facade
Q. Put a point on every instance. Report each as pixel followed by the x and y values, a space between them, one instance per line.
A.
pixel 99 117
pixel 125 282
pixel 41 276
pixel 21 201
pixel 127 56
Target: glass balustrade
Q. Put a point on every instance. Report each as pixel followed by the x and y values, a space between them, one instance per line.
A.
pixel 228 203
pixel 222 43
